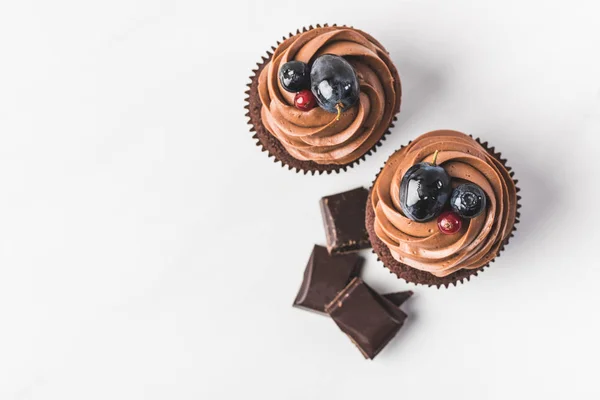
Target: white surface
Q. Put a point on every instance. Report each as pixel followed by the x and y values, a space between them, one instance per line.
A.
pixel 148 250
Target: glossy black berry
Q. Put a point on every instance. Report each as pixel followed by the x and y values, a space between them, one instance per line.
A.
pixel 468 200
pixel 294 76
pixel 424 191
pixel 334 83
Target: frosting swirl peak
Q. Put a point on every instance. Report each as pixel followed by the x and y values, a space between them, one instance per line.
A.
pixel 422 245
pixel 316 135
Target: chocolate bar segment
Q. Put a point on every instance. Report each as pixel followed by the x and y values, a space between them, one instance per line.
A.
pixel 399 297
pixel 368 319
pixel 344 220
pixel 324 277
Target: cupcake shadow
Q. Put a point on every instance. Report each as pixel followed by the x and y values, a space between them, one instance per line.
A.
pixel 420 85
pixel 540 198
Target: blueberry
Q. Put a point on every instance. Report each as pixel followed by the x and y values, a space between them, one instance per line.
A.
pixel 424 191
pixel 468 200
pixel 334 83
pixel 294 76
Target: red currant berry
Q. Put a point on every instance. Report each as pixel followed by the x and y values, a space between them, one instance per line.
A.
pixel 449 222
pixel 305 100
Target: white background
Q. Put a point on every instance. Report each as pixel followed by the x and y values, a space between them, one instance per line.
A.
pixel 148 249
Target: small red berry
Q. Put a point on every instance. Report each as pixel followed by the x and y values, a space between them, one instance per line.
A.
pixel 305 100
pixel 449 222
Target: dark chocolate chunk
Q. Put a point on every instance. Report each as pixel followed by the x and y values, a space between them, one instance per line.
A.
pixel 399 297
pixel 344 220
pixel 369 319
pixel 324 277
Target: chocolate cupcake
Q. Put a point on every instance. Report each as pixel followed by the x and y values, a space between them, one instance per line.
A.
pixel 442 208
pixel 324 98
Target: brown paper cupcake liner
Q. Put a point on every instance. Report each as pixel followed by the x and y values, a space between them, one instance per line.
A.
pixel 418 277
pixel 270 144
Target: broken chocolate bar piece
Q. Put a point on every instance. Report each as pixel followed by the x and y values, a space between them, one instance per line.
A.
pixel 399 297
pixel 324 277
pixel 369 319
pixel 344 220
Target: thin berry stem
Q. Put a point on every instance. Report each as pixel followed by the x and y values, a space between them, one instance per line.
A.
pixel 339 107
pixel 435 155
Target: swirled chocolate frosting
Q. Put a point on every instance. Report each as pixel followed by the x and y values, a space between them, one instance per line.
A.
pixel 316 135
pixel 422 245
